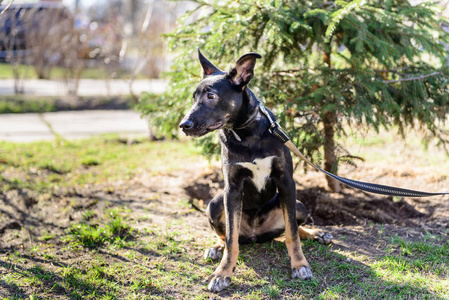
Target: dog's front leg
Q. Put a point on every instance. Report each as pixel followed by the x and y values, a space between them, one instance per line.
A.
pixel 287 195
pixel 221 278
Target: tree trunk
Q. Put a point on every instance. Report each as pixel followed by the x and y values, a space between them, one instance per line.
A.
pixel 329 119
pixel 329 149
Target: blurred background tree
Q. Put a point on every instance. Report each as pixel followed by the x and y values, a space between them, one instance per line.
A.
pixel 327 66
pixel 73 39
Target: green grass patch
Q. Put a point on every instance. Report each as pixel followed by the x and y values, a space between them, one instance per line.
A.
pixel 110 252
pixel 44 166
pixel 113 227
pixel 22 104
pixel 6 72
pixel 40 104
pixel 167 264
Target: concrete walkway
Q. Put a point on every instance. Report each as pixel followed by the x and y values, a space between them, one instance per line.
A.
pixel 72 124
pixel 75 124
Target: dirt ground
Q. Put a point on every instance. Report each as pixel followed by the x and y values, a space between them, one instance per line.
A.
pixel 25 216
pixel 351 212
pixel 159 199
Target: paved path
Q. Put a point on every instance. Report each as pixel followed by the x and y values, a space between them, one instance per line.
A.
pixel 70 125
pixel 87 87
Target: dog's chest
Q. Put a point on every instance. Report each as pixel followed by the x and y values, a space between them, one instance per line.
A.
pixel 261 169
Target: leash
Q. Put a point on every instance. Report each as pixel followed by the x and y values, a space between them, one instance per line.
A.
pixel 276 130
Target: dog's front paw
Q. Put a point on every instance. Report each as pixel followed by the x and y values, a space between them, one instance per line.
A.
pixel 218 283
pixel 324 238
pixel 303 273
pixel 213 253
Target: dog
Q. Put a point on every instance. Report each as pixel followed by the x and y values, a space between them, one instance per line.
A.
pixel 258 202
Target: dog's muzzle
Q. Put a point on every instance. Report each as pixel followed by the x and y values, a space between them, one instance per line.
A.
pixel 186 125
pixel 193 128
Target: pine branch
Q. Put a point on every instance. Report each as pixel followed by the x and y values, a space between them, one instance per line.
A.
pixel 392 70
pixel 339 15
pixel 414 78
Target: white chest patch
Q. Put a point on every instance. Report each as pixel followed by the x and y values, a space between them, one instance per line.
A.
pixel 261 168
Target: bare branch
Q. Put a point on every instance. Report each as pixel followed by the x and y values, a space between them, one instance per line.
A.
pixel 7 6
pixel 280 72
pixel 144 50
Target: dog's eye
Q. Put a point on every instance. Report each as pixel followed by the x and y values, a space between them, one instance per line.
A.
pixel 211 96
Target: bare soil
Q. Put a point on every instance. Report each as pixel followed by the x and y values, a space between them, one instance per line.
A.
pixel 27 217
pixel 350 207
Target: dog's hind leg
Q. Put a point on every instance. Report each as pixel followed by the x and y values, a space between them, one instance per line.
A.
pixel 216 251
pixel 318 235
pixel 301 213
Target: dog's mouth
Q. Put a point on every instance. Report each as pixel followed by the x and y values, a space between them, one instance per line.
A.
pixel 200 129
pixel 215 126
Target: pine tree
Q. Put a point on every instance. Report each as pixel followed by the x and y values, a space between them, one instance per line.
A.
pixel 369 64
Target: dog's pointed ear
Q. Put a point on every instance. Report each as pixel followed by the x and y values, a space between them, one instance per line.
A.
pixel 208 67
pixel 243 71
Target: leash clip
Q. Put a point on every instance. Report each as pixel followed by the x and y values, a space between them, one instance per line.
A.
pixel 275 128
pixel 278 133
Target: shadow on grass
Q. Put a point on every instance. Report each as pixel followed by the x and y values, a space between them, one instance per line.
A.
pixel 264 272
pixel 175 269
pixel 68 282
pixel 16 210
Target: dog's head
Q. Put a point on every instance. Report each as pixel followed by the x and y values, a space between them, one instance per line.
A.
pixel 219 96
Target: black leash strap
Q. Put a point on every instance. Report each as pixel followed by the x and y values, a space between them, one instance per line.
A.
pixel 278 133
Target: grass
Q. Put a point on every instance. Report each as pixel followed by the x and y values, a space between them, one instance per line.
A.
pixel 58 72
pixel 165 269
pixel 41 104
pixel 18 104
pixel 153 250
pixel 91 235
pixel 370 146
pixel 45 166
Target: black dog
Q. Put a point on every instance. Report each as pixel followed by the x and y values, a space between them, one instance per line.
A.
pixel 259 199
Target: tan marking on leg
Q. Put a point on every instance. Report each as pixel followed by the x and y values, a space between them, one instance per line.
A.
pixel 231 250
pixel 230 255
pixel 274 221
pixel 309 234
pixel 222 218
pixel 246 230
pixel 221 278
pixel 324 238
pixel 293 246
pixel 220 241
pixel 216 251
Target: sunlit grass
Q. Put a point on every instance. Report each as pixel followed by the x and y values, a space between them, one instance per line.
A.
pixel 28 71
pixel 112 227
pixel 372 146
pixel 102 256
pixel 90 161
pixel 167 263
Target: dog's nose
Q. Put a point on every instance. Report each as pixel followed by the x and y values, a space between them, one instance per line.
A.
pixel 186 125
